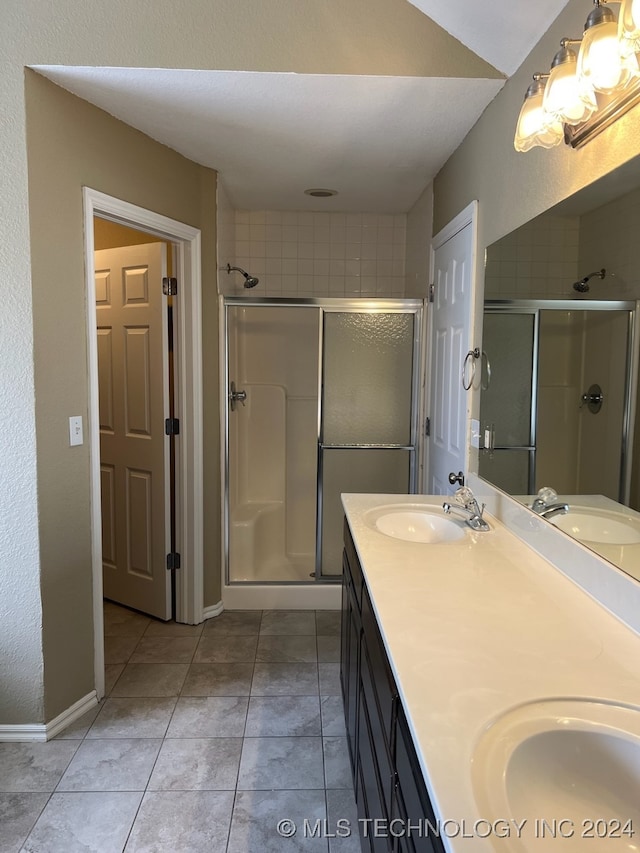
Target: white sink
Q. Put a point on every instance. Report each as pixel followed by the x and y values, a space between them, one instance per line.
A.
pixel 415 523
pixel 573 763
pixel 599 526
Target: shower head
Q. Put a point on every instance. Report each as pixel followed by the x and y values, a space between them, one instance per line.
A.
pixel 582 286
pixel 249 280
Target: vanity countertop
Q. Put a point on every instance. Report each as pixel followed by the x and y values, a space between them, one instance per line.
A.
pixel 474 628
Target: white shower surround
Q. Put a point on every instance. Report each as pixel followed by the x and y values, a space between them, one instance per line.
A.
pixel 272 444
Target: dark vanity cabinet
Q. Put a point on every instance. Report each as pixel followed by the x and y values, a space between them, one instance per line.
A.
pixel 389 786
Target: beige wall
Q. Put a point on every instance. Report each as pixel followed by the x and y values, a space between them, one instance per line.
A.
pixel 112 235
pixel 72 144
pixel 211 406
pixel 226 239
pixel 418 252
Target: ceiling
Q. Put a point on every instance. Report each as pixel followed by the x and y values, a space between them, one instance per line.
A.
pixel 503 32
pixel 377 140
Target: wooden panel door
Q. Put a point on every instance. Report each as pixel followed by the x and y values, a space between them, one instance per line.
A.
pixel 133 370
pixel 449 345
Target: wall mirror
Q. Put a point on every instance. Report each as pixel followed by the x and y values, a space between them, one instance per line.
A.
pixel 561 365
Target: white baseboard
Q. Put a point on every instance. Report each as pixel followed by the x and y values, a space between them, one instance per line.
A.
pixel 47 731
pixel 213 610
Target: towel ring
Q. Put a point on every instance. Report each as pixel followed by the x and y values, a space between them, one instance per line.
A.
pixel 485 370
pixel 472 354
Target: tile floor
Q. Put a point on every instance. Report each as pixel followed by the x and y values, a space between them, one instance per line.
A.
pixel 207 737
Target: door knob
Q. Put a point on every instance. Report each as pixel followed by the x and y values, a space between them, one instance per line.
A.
pixel 456 478
pixel 236 397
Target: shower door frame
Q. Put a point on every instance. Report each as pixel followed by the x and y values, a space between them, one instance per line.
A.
pixel 371 306
pixel 322 306
pixel 535 306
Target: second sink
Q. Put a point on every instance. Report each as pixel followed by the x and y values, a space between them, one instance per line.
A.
pixel 598 526
pixel 572 763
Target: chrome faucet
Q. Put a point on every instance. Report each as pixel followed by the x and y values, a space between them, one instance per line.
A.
pixel 552 509
pixel 545 509
pixel 467 506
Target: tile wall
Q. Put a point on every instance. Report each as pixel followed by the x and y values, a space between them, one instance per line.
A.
pixel 609 239
pixel 305 254
pixel 543 258
pixel 537 261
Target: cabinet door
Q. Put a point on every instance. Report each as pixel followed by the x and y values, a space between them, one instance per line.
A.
pixel 376 727
pixel 355 570
pixel 371 803
pixel 344 633
pixel 384 683
pixel 350 660
pixel 411 792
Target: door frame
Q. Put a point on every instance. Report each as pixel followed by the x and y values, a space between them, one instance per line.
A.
pixel 467 216
pixel 187 319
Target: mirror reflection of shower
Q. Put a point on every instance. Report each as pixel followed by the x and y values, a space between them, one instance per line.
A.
pixel 545 355
pixel 249 280
pixel 582 286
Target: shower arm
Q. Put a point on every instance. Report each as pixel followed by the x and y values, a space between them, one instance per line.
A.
pixel 249 280
pixel 582 286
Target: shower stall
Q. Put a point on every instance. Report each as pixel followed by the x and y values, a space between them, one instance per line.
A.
pixel 557 397
pixel 321 397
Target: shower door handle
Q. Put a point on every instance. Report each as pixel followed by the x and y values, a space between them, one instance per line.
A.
pixel 236 397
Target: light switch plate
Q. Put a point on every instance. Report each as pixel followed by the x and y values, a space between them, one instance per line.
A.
pixel 75 431
pixel 475 433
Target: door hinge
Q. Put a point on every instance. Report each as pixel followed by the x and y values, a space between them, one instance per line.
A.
pixel 172 426
pixel 169 286
pixel 432 292
pixel 427 426
pixel 173 561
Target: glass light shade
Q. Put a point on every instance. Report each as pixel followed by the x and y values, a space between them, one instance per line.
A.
pixel 534 126
pixel 600 64
pixel 566 98
pixel 552 135
pixel 629 28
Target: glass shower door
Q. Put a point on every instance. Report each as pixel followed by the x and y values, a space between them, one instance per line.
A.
pixel 368 416
pixel 508 401
pixel 271 456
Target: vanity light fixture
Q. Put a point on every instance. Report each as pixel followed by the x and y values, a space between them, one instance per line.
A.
pixel 600 62
pixel 567 98
pixel 586 89
pixel 533 126
pixel 629 27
